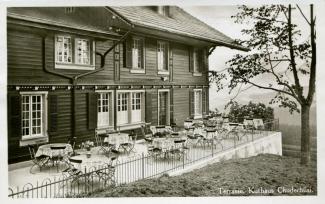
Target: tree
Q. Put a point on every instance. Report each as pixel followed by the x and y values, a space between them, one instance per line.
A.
pixel 238 112
pixel 279 53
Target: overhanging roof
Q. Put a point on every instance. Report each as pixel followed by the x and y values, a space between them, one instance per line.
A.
pixel 179 22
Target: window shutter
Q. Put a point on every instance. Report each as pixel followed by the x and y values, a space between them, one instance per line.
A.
pixel 14 116
pixel 92 110
pixel 53 113
pixel 205 61
pixel 166 61
pixel 127 48
pixel 204 109
pixel 191 63
pixel 171 106
pixel 170 54
pixel 142 53
pixel 110 109
pixel 191 102
pixel 201 61
pixel 148 107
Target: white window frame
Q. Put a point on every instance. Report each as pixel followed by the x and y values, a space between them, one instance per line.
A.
pixel 197 114
pixel 73 64
pixel 57 49
pixel 44 115
pixel 111 94
pixel 76 51
pixel 162 57
pixel 168 105
pixel 130 124
pixel 135 56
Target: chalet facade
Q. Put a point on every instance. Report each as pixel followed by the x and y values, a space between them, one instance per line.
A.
pixel 73 70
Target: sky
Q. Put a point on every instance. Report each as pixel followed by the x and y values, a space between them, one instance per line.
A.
pixel 219 17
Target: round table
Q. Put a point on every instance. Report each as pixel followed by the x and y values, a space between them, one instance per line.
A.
pixel 117 139
pixel 46 150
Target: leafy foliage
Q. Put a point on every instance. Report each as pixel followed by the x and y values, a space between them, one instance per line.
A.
pixel 276 51
pixel 238 112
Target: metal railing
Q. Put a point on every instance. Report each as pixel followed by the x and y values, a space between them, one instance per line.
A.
pixel 139 167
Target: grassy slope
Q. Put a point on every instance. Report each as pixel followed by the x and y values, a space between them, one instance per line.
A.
pixel 267 171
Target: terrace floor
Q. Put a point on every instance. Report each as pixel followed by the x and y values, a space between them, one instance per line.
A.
pixel 135 166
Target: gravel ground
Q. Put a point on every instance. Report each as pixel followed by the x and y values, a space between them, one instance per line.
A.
pixel 261 175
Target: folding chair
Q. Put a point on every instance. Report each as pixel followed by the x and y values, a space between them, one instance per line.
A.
pixel 129 146
pixel 179 149
pixel 75 173
pixel 58 157
pixel 72 142
pixel 107 174
pixel 39 161
pixel 100 136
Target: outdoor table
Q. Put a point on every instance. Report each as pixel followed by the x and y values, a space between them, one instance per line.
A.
pixel 188 124
pixel 94 161
pixel 46 150
pixel 166 144
pixel 117 139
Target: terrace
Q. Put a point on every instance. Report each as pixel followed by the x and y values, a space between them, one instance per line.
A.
pixel 142 162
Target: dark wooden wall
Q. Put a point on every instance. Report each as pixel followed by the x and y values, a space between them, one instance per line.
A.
pixel 25 67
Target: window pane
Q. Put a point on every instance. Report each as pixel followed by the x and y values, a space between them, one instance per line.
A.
pixel 82 51
pixel 63 49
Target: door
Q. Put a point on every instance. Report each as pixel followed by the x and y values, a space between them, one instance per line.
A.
pixel 136 107
pixel 103 110
pixel 122 108
pixel 163 108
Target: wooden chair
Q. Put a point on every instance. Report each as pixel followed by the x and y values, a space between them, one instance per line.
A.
pixel 39 161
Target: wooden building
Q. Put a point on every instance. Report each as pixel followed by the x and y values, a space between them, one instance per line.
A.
pixel 72 70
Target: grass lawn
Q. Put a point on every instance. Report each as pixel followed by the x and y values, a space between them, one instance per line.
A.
pixel 264 174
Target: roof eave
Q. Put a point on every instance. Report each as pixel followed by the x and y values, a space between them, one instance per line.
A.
pixel 217 43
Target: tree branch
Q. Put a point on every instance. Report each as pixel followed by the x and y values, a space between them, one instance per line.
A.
pixel 303 14
pixel 271 88
pixel 292 58
pixel 240 91
pixel 278 78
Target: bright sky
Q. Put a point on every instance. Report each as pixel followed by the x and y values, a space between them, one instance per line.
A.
pixel 219 17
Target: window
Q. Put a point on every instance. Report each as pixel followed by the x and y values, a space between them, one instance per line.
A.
pixel 130 107
pixel 133 55
pixel 197 103
pixel 74 53
pixel 63 49
pixel 105 113
pixel 162 57
pixel 33 115
pixel 82 51
pixel 137 53
pixel 198 61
